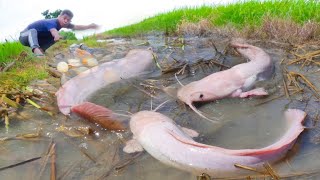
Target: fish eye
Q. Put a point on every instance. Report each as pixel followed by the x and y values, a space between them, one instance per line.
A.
pixel 201 96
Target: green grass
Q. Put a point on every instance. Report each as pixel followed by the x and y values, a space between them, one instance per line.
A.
pixel 23 73
pixel 9 51
pixel 239 15
pixel 91 41
pixel 26 68
pixel 69 35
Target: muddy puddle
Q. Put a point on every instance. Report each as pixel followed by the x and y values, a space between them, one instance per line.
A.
pixel 243 123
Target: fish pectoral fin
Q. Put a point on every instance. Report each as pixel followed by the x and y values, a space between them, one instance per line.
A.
pixel 132 146
pixel 254 92
pixel 190 132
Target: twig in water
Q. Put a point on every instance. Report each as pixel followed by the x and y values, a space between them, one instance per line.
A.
pixel 46 158
pixel 217 63
pixel 20 163
pixel 53 162
pixel 83 151
pixel 285 86
pixel 144 91
pixel 120 165
pixel 315 90
pixel 203 176
pixel 70 168
pixel 270 171
pixel 248 168
pixel 267 175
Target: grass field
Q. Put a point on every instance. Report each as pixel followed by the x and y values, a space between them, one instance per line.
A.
pixel 238 15
pixel 9 51
pixel 25 69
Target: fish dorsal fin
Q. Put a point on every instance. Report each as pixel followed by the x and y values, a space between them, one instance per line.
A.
pixel 132 146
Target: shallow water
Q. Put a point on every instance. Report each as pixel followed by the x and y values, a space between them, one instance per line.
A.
pixel 243 123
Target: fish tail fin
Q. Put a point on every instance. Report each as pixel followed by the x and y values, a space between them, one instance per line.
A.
pixel 295 115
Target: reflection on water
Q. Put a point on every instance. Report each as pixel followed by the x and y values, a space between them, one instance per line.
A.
pixel 244 123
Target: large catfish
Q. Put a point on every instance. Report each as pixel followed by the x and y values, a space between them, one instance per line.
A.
pixel 172 145
pixel 76 90
pixel 234 82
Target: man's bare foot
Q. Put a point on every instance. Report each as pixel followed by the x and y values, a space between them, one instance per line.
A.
pixel 38 53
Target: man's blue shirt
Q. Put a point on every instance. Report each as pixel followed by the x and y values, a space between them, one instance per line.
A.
pixel 43 27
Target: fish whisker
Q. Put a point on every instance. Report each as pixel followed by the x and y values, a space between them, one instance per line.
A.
pixel 160 105
pixel 175 75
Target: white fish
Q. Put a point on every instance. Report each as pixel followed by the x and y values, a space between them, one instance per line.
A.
pixel 78 89
pixel 234 82
pixel 170 144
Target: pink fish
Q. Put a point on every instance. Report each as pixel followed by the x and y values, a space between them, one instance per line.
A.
pixel 172 145
pixel 234 82
pixel 78 89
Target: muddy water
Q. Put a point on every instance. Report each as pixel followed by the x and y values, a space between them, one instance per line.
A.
pixel 243 123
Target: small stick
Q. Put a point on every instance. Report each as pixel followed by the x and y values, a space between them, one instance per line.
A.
pixel 45 160
pixel 217 63
pixel 285 86
pixel 8 66
pixel 53 162
pixel 286 89
pixel 20 163
pixel 120 165
pixel 144 91
pixel 315 90
pixel 83 152
pixel 270 170
pixel 204 176
pixel 248 168
pixel 70 168
pixel 267 175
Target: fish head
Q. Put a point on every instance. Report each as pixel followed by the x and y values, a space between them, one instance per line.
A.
pixel 188 94
pixel 192 93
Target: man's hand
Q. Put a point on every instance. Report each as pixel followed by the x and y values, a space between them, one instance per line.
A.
pixel 93 26
pixel 55 34
pixel 57 38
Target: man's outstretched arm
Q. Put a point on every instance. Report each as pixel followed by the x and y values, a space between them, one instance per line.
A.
pixel 85 27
